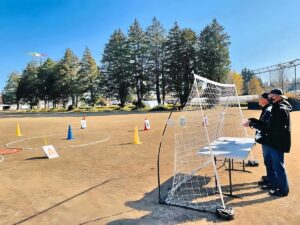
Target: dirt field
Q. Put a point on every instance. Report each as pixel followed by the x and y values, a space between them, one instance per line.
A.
pixel 115 182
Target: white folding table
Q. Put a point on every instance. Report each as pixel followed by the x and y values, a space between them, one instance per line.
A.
pixel 229 148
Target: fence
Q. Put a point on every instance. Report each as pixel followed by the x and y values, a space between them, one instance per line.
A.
pixel 283 76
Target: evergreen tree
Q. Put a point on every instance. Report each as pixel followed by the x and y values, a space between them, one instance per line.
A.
pixel 27 90
pixel 45 75
pixel 115 63
pixel 188 41
pixel 213 59
pixel 179 61
pixel 68 84
pixel 9 95
pixel 247 76
pixel 138 46
pixel 156 38
pixel 88 76
pixel 172 61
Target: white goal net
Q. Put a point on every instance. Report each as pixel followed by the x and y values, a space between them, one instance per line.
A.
pixel 212 111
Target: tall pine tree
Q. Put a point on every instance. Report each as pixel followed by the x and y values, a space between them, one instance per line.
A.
pixel 138 46
pixel 27 90
pixel 247 77
pixel 213 59
pixel 68 68
pixel 188 41
pixel 9 95
pixel 172 61
pixel 115 66
pixel 45 75
pixel 156 38
pixel 89 76
pixel 179 61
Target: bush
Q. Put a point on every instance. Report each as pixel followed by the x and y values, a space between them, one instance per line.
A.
pixel 107 108
pixel 92 109
pixel 292 96
pixel 70 107
pixel 159 108
pixel 128 108
pixel 78 110
pixel 6 107
pixel 144 109
pixel 167 107
pixel 294 100
pixel 57 110
pixel 138 106
pixel 43 110
pixel 244 104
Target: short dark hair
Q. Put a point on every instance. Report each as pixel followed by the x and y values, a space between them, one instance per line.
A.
pixel 277 91
pixel 265 95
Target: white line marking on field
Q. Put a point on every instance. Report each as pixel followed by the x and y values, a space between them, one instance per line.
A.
pixel 71 146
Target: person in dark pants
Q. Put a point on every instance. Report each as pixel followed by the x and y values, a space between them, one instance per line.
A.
pixel 260 136
pixel 277 140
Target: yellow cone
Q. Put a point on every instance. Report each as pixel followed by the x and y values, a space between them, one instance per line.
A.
pixel 18 131
pixel 136 139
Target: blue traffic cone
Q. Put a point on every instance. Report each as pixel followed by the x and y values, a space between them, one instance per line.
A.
pixel 70 135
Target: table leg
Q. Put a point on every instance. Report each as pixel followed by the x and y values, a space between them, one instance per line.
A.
pixel 216 184
pixel 230 182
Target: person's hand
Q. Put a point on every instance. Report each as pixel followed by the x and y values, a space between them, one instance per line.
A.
pixel 252 120
pixel 246 123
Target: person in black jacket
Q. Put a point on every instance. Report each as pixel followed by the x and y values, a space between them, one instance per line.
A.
pixel 277 139
pixel 260 136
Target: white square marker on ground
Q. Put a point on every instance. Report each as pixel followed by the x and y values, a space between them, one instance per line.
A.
pixel 50 151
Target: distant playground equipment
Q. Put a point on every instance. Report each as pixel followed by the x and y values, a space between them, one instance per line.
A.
pixel 136 139
pixel 18 131
pixel 146 124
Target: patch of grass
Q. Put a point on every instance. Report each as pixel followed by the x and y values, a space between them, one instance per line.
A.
pixel 167 107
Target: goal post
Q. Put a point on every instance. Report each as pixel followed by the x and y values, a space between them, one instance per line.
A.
pixel 211 112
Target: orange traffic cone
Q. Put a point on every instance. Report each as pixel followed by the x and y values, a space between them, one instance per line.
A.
pixel 136 139
pixel 146 124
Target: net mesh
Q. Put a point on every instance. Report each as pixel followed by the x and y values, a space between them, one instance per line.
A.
pixel 212 111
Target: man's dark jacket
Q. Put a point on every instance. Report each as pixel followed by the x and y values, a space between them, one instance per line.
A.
pixel 277 127
pixel 260 134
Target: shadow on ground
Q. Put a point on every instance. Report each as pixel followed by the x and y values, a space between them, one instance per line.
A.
pixel 37 158
pixel 162 214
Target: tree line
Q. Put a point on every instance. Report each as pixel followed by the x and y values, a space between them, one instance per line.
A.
pixel 133 66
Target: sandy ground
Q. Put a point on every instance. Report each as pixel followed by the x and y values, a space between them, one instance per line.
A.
pixel 115 182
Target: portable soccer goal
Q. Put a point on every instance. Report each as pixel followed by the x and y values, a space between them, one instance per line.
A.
pixel 212 111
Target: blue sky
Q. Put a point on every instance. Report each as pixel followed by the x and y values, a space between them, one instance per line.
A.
pixel 262 33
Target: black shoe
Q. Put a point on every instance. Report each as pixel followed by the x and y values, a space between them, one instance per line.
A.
pixel 253 163
pixel 263 182
pixel 266 187
pixel 277 193
pixel 264 178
